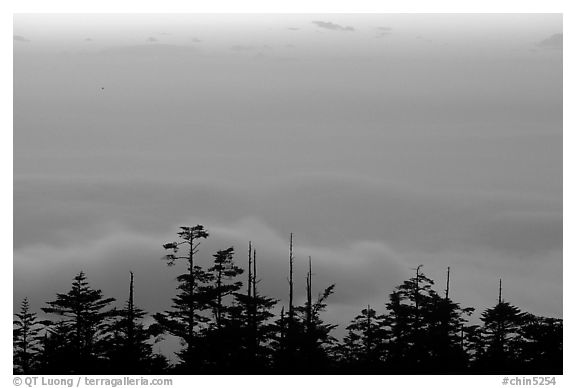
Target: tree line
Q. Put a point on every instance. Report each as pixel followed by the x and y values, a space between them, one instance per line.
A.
pixel 227 326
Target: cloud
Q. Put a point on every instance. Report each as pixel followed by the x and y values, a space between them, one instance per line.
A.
pixel 155 51
pixel 196 40
pixel 361 271
pixel 20 38
pixel 151 40
pixel 552 42
pixel 363 235
pixel 522 234
pixel 384 31
pixel 316 204
pixel 293 29
pixel 258 51
pixel 239 47
pixel 332 26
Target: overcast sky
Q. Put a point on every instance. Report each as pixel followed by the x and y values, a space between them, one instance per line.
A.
pixel 381 141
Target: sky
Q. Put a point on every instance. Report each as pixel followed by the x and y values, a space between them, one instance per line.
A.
pixel 382 141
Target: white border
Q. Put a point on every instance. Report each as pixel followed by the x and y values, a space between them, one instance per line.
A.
pixel 286 6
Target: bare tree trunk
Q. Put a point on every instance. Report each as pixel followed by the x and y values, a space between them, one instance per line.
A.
pixel 255 308
pixel 130 328
pixel 249 303
pixel 369 336
pixel 249 269
pixel 291 281
pixel 191 307
pixel 447 282
pixel 309 296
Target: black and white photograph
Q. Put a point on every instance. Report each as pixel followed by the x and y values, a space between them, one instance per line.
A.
pixel 288 194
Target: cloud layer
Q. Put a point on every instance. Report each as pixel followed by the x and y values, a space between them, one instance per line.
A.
pixel 552 42
pixel 332 26
pixel 379 154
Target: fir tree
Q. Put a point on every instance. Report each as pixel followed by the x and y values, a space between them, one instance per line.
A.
pixel 26 339
pixel 86 315
pixel 130 350
pixel 501 328
pixel 364 346
pixel 188 305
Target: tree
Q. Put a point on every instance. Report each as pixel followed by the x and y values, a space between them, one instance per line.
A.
pixel 501 328
pixel 303 343
pixel 224 273
pixel 57 352
pixel 185 315
pixel 221 338
pixel 445 323
pixel 130 350
pixel 26 339
pixel 257 332
pixel 425 328
pixel 540 348
pixel 86 315
pixel 407 312
pixel 364 346
pixel 315 339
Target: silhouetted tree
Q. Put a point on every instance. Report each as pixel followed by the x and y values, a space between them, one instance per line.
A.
pixel 86 315
pixel 26 336
pixel 185 315
pixel 221 338
pixel 364 346
pixel 445 322
pixel 501 329
pixel 130 350
pixel 540 348
pixel 57 352
pixel 258 332
pixel 425 328
pixel 315 340
pixel 226 328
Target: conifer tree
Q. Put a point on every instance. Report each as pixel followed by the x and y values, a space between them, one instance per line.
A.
pixel 501 328
pixel 258 333
pixel 314 341
pixel 130 350
pixel 186 315
pixel 86 315
pixel 26 336
pixel 540 348
pixel 56 351
pixel 424 327
pixel 364 346
pixel 221 337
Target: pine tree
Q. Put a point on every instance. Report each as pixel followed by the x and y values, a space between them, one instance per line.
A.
pixel 190 302
pixel 315 341
pixel 224 273
pixel 130 350
pixel 364 346
pixel 501 327
pixel 540 347
pixel 86 315
pixel 406 319
pixel 445 323
pixel 26 339
pixel 221 337
pixel 425 328
pixel 257 332
pixel 57 353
